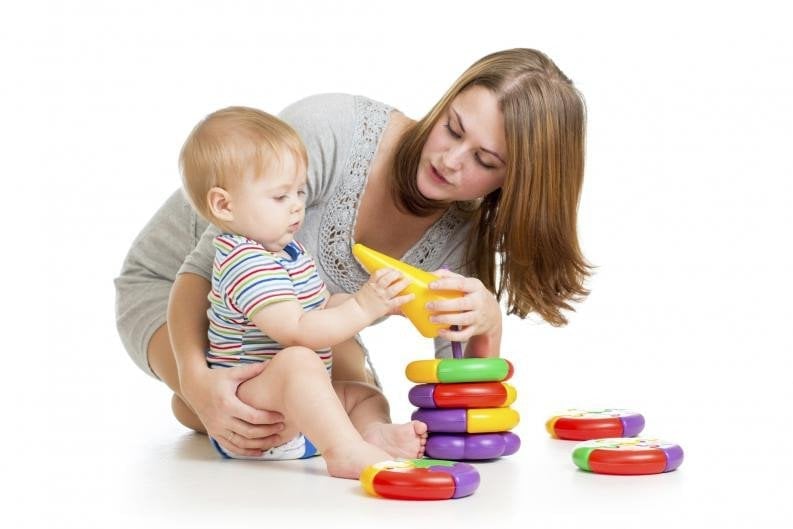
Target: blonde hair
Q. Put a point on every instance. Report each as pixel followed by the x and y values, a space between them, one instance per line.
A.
pixel 229 142
pixel 531 220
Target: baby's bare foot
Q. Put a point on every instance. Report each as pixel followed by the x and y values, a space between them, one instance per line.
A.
pixel 349 461
pixel 400 440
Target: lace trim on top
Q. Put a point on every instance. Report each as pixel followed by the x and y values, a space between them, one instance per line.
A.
pixel 341 213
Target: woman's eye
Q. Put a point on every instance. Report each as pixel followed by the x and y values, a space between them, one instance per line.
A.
pixel 451 131
pixel 483 164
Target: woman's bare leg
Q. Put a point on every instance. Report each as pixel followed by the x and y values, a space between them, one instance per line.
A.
pixel 163 363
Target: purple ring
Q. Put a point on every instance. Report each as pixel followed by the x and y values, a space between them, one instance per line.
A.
pixel 472 446
pixel 454 420
pixel 465 476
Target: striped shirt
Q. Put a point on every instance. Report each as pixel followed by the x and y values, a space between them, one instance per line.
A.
pixel 246 278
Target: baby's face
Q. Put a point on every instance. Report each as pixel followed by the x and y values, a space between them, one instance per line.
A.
pixel 269 205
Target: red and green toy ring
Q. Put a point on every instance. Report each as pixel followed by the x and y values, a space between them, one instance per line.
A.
pixel 453 370
pixel 627 456
pixel 420 479
pixel 582 425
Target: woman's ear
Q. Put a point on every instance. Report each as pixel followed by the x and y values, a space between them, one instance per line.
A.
pixel 219 202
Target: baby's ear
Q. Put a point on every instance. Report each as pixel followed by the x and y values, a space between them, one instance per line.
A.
pixel 219 202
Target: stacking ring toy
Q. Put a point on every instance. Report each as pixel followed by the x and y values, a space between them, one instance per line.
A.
pixel 627 456
pixel 472 446
pixel 420 479
pixel 476 420
pixel 459 370
pixel 582 425
pixel 464 395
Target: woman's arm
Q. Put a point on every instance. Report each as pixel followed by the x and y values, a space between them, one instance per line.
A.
pixel 212 393
pixel 188 323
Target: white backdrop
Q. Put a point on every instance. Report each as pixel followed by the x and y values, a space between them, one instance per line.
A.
pixel 685 212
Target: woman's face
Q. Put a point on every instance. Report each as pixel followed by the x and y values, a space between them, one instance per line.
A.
pixel 465 154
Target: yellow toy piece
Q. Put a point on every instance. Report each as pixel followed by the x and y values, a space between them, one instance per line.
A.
pixel 549 427
pixel 368 474
pixel 485 420
pixel 461 420
pixel 423 371
pixel 512 394
pixel 419 279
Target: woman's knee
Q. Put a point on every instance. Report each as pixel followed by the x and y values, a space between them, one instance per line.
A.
pixel 185 415
pixel 162 360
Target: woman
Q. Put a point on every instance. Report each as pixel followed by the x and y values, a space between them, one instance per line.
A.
pixel 493 172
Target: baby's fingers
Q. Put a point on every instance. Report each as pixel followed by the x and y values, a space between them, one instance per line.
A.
pixel 386 276
pixel 397 287
pixel 401 300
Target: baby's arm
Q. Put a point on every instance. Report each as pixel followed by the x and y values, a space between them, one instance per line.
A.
pixel 334 300
pixel 288 324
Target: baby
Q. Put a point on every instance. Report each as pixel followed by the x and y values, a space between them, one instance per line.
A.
pixel 245 171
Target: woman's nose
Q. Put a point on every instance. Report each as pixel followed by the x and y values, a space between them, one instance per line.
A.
pixel 452 158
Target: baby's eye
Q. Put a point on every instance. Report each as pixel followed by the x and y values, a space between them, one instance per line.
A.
pixel 280 198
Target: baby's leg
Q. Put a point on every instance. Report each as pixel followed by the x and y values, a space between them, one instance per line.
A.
pixel 296 384
pixel 369 412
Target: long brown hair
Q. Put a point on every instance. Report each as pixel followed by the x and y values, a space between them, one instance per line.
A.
pixel 531 220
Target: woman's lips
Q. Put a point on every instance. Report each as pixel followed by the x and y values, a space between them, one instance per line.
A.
pixel 438 176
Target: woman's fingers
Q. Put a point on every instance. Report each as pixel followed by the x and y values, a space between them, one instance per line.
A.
pixel 461 319
pixel 247 430
pixel 253 416
pixel 445 272
pixel 248 439
pixel 227 443
pixel 456 282
pixel 452 305
pixel 461 335
pixel 249 436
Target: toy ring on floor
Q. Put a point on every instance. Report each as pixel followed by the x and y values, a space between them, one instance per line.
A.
pixel 420 479
pixel 459 370
pixel 463 395
pixel 582 425
pixel 475 420
pixel 472 446
pixel 627 456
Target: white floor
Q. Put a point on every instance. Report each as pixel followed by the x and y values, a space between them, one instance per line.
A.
pixel 107 454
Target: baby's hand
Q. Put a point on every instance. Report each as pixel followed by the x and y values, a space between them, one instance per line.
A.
pixel 380 295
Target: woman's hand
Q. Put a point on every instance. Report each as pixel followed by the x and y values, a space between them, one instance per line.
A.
pixel 237 427
pixel 477 314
